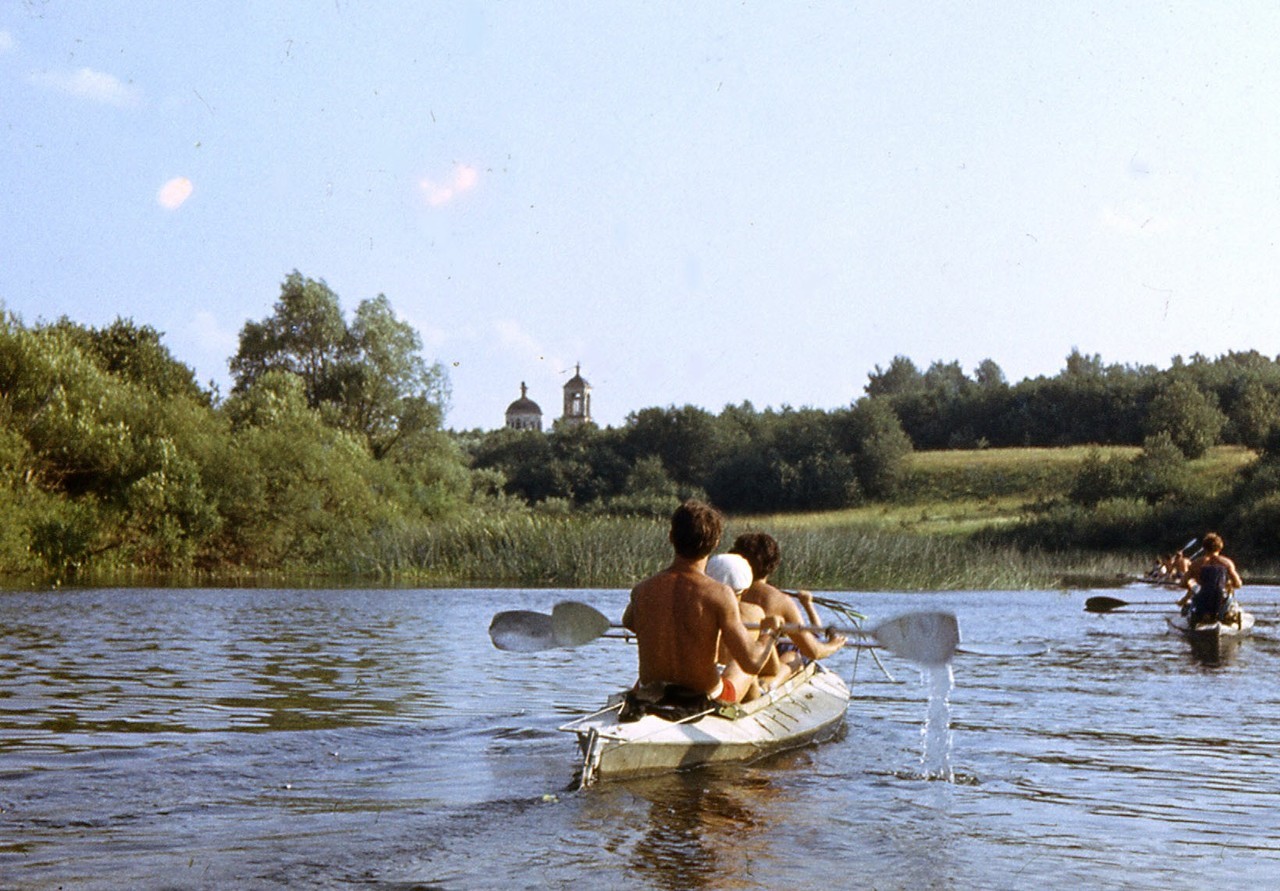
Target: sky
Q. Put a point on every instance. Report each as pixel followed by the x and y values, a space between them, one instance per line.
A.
pixel 701 203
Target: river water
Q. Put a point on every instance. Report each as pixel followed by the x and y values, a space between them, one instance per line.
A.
pixel 375 738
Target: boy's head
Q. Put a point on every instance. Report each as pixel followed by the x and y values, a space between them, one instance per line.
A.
pixel 761 551
pixel 696 528
pixel 732 570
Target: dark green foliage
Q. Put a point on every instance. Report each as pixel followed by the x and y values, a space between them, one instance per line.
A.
pixel 872 433
pixel 1160 471
pixel 1253 414
pixel 135 355
pixel 1101 478
pixel 901 378
pixel 688 440
pixel 1185 414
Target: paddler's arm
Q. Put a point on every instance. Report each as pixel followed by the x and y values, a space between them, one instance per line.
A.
pixel 749 652
pixel 806 600
pixel 807 643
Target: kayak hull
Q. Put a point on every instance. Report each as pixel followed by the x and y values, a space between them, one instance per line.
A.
pixel 809 707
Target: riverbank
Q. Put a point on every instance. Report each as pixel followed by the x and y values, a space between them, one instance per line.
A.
pixel 955 527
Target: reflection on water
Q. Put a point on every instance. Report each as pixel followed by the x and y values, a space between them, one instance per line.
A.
pixel 696 829
pixel 338 738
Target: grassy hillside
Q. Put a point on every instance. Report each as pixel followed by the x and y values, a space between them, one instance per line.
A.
pixel 960 492
pixel 953 496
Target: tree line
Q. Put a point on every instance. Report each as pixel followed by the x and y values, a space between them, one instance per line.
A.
pixel 113 458
pixel 330 450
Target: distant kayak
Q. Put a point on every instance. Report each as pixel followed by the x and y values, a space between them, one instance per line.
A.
pixel 1213 633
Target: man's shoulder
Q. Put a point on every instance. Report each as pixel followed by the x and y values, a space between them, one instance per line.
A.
pixel 694 583
pixel 773 599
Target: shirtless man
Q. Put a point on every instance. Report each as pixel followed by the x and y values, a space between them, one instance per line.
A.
pixel 1218 581
pixel 680 616
pixel 764 555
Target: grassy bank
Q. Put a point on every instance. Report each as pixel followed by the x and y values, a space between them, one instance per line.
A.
pixel 936 536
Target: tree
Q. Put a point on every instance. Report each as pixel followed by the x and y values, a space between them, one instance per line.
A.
pixel 989 375
pixel 1080 365
pixel 1100 478
pixel 872 432
pixel 900 378
pixel 1253 415
pixel 386 389
pixel 367 378
pixel 689 441
pixel 306 336
pixel 1160 469
pixel 1188 416
pixel 947 380
pixel 134 354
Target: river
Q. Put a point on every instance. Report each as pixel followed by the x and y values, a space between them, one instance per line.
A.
pixel 376 739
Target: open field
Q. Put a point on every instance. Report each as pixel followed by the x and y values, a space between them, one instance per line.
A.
pixel 951 496
pixel 961 492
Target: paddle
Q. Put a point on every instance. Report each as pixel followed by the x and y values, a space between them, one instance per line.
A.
pixel 927 638
pixel 1109 604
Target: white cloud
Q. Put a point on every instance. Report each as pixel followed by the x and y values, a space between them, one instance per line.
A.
pixel 175 192
pixel 89 84
pixel 463 179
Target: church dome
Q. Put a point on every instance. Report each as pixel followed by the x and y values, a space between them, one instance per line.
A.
pixel 524 405
pixel 524 413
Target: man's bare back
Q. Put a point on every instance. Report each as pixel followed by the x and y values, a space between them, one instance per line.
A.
pixel 680 617
pixel 676 616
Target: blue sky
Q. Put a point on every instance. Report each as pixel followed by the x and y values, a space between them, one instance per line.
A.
pixel 703 203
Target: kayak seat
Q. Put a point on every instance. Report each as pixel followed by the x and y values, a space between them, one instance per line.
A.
pixel 670 702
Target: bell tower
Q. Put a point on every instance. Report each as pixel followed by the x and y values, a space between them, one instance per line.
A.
pixel 577 400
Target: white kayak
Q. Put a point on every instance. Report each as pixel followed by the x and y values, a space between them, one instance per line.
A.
pixel 808 707
pixel 1214 633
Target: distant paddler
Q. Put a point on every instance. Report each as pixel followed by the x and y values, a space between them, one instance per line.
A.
pixel 1214 599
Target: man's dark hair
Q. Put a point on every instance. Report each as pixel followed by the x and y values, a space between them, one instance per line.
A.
pixel 695 529
pixel 761 551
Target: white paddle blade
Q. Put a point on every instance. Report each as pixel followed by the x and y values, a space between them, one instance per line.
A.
pixel 522 631
pixel 574 624
pixel 926 638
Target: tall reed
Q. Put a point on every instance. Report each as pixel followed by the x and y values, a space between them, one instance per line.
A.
pixel 599 551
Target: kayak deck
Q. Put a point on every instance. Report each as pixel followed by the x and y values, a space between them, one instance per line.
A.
pixel 808 707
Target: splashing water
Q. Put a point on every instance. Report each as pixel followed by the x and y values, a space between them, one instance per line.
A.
pixel 935 759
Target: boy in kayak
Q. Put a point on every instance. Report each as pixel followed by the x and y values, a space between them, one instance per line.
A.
pixel 681 616
pixel 1218 579
pixel 762 552
pixel 734 571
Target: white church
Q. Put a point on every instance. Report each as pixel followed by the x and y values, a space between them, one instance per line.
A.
pixel 525 414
